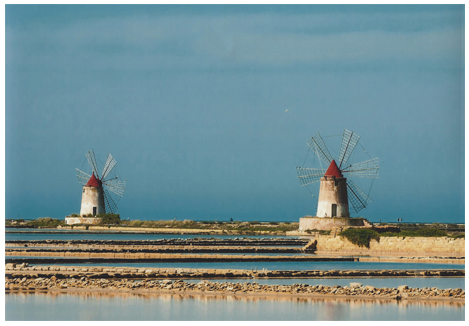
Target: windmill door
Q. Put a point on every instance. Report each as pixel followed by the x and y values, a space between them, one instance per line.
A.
pixel 94 210
pixel 334 210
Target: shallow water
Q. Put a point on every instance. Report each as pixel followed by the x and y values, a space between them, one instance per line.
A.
pixel 64 235
pixel 412 282
pixel 283 265
pixel 199 307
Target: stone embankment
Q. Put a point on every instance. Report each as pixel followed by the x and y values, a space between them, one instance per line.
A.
pixel 208 250
pixel 152 244
pixel 120 258
pixel 215 230
pixel 24 270
pixel 393 246
pixel 161 246
pixel 246 288
pixel 162 249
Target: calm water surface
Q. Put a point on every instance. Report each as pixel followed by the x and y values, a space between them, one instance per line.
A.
pixel 64 235
pixel 280 265
pixel 413 282
pixel 177 307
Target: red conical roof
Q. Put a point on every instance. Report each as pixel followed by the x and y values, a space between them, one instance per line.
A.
pixel 333 171
pixel 94 182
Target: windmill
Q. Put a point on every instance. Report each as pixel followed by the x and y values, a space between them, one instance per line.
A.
pixel 337 192
pixel 99 189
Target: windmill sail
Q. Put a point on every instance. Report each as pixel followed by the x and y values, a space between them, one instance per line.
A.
pixel 309 175
pixel 338 195
pixel 108 166
pixel 317 145
pixel 109 186
pixel 116 186
pixel 82 177
pixel 357 197
pixel 111 206
pixel 349 141
pixel 365 169
pixel 92 161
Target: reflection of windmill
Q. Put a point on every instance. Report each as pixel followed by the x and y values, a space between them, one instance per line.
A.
pixel 96 197
pixel 336 190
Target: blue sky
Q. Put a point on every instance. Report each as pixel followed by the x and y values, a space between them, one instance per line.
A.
pixel 207 109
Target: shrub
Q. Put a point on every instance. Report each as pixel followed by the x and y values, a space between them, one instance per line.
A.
pixel 431 233
pixel 109 218
pixel 46 222
pixel 321 232
pixel 427 232
pixel 360 237
pixel 135 223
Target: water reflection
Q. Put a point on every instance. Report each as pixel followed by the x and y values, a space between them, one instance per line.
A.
pixel 379 282
pixel 208 297
pixel 273 265
pixel 152 306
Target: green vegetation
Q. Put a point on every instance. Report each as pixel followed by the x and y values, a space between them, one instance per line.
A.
pixel 234 227
pixel 360 237
pixel 12 223
pixel 458 236
pixel 425 232
pixel 440 226
pixel 239 227
pixel 109 218
pixel 250 227
pixel 321 232
pixel 43 222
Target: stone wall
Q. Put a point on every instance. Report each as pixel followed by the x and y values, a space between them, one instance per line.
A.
pixel 152 230
pixel 327 223
pixel 92 197
pixel 333 192
pixel 82 220
pixel 392 246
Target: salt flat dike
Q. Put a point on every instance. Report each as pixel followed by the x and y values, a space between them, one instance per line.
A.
pixel 96 272
pixel 189 250
pixel 213 230
pixel 355 290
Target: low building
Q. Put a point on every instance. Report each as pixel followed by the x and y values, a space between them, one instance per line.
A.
pixel 70 220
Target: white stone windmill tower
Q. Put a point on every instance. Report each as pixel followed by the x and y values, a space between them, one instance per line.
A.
pixel 337 192
pixel 97 189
